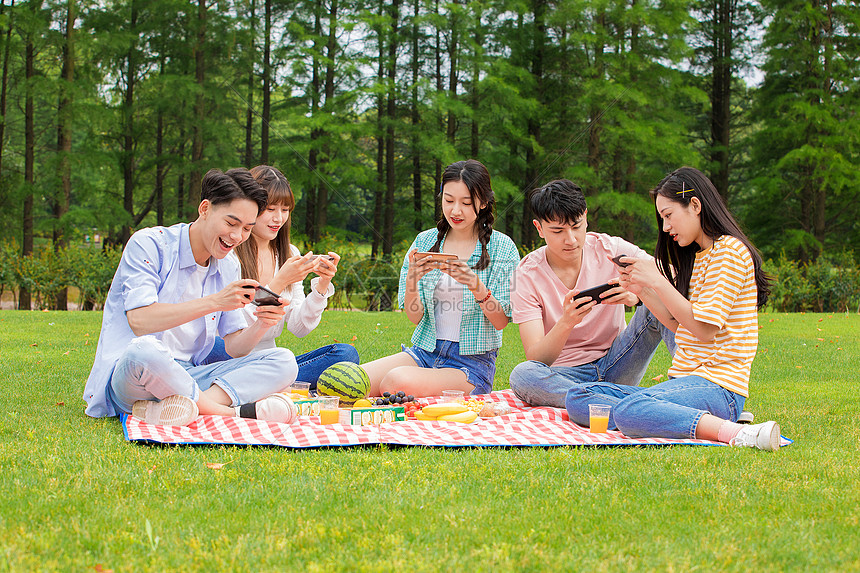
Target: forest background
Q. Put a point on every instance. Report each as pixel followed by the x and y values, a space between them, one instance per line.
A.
pixel 112 110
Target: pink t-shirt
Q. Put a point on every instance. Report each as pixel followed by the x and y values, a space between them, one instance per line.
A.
pixel 538 293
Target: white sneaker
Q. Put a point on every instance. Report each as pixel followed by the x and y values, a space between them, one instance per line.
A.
pixel 274 408
pixel 762 436
pixel 172 411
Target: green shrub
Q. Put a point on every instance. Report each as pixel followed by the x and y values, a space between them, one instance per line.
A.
pixel 91 270
pixel 831 283
pixel 44 274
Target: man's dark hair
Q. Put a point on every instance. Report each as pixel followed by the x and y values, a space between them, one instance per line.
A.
pixel 219 187
pixel 560 200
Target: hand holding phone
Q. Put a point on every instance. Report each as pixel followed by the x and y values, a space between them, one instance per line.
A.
pixel 265 297
pixel 436 257
pixel 617 261
pixel 594 293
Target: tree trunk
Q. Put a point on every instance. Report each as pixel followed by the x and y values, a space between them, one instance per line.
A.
pixel 128 133
pixel 416 120
pixel 311 229
pixel 267 86
pixel 331 55
pixel 534 130
pixel 5 80
pixel 440 86
pixel 453 52
pixel 199 108
pixel 721 83
pixel 475 145
pixel 249 115
pixel 380 144
pixel 180 179
pixel 64 142
pixel 159 158
pixel 594 127
pixel 391 114
pixel 29 158
pixel 825 87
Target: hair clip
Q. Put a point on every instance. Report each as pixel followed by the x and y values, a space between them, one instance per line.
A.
pixel 683 191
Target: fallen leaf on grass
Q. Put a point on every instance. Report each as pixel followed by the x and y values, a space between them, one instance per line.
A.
pixel 657 378
pixel 821 339
pixel 66 353
pixel 354 338
pixel 325 335
pixel 101 569
pixel 35 344
pixel 215 466
pixel 61 403
pixel 798 367
pixel 150 470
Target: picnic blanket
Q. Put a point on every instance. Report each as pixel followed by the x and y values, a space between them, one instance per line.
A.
pixel 524 426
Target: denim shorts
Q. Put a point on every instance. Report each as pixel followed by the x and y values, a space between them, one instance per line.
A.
pixel 480 369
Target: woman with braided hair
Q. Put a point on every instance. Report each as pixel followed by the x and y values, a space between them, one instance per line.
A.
pixel 459 300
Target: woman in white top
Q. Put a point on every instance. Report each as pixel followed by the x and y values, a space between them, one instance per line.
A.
pixel 269 258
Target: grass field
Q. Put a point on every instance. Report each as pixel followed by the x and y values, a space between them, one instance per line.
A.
pixel 78 497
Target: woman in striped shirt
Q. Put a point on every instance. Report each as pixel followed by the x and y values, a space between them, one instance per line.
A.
pixel 706 285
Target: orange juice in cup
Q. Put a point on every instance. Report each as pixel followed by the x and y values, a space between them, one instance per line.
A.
pixel 329 416
pixel 329 413
pixel 302 388
pixel 598 418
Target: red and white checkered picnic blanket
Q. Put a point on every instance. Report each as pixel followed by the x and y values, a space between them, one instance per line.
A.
pixel 524 426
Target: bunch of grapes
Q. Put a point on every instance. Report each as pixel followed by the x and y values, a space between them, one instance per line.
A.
pixel 389 399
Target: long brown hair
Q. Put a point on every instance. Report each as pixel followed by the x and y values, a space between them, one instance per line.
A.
pixel 279 193
pixel 477 179
pixel 675 261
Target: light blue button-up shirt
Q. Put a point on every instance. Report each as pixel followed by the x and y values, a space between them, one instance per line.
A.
pixel 154 267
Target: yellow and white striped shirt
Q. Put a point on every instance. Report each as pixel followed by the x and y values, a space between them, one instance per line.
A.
pixel 723 292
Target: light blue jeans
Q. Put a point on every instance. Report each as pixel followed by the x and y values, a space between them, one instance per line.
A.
pixel 148 371
pixel 625 363
pixel 671 409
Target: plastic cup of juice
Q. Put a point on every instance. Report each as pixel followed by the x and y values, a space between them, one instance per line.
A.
pixel 452 396
pixel 302 388
pixel 329 413
pixel 598 418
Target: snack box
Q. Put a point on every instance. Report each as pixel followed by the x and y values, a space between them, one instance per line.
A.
pixel 309 407
pixel 374 415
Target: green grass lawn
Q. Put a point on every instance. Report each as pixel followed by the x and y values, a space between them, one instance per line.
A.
pixel 78 497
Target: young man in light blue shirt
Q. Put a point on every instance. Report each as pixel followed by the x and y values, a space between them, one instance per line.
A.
pixel 172 293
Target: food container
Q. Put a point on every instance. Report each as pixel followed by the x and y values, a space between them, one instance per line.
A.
pixel 372 416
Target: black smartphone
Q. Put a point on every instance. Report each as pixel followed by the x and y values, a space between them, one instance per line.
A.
pixel 265 297
pixel 594 293
pixel 617 261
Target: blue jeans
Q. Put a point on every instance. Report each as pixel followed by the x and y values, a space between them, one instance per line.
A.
pixel 311 364
pixel 147 371
pixel 480 369
pixel 624 363
pixel 671 409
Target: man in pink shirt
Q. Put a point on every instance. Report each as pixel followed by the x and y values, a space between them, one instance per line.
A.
pixel 570 339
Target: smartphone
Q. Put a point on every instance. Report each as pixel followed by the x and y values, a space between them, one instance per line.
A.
pixel 617 261
pixel 437 257
pixel 265 297
pixel 326 257
pixel 594 293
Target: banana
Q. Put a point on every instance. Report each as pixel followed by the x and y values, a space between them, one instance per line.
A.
pixel 421 416
pixel 444 409
pixel 463 417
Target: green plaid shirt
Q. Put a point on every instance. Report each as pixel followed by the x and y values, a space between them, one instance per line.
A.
pixel 477 334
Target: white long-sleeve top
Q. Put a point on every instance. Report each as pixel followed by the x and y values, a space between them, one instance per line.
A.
pixel 302 315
